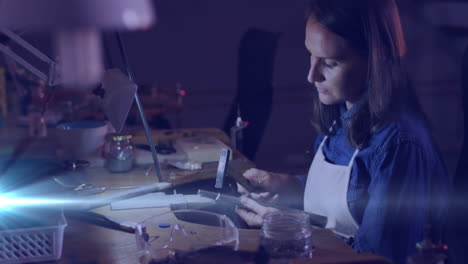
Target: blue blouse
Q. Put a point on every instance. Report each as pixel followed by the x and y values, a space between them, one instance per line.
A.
pixel 398 184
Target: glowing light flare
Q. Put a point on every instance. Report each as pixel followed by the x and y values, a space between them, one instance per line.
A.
pixel 9 202
pixel 14 202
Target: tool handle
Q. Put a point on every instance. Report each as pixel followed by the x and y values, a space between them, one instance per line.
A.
pixel 315 219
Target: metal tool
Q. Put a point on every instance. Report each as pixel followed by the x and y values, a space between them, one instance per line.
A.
pixel 236 131
pixel 89 189
pixel 101 220
pixel 315 219
pixel 222 167
pixel 106 199
pixel 220 197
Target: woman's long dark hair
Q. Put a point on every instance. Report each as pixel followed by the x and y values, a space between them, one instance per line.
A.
pixel 372 28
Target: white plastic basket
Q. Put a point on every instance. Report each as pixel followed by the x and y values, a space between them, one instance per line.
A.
pixel 34 244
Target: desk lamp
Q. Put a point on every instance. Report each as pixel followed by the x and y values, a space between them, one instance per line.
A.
pixel 75 26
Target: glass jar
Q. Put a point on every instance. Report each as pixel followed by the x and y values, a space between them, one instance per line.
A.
pixel 119 152
pixel 287 234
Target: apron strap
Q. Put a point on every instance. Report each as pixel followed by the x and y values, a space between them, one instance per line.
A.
pixel 352 158
pixel 350 164
pixel 321 144
pixel 325 137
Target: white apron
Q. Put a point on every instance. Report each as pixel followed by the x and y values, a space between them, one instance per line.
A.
pixel 326 193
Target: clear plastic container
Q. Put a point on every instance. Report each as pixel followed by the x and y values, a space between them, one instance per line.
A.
pixel 160 236
pixel 35 244
pixel 119 152
pixel 287 234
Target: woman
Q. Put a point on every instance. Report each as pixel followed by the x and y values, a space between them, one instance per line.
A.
pixel 376 173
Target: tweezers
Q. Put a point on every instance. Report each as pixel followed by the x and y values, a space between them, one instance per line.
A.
pixel 99 220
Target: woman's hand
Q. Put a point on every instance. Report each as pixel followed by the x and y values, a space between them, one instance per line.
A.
pixel 289 187
pixel 268 181
pixel 264 197
pixel 253 216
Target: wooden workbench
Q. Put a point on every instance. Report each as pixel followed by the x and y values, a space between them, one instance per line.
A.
pixel 87 243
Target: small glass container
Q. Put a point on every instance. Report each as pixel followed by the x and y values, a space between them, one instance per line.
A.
pixel 119 152
pixel 287 235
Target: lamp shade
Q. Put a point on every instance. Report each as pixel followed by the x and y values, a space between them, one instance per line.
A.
pixel 49 15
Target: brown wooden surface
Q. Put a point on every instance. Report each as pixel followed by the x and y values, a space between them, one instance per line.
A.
pixel 86 243
pixel 177 177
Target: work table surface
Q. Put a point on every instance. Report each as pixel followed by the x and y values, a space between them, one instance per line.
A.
pixel 87 243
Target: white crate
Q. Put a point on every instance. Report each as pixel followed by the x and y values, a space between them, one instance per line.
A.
pixel 34 244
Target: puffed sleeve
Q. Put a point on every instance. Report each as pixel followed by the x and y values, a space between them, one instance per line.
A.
pixel 408 189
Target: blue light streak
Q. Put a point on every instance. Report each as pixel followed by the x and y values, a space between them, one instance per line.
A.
pixel 8 203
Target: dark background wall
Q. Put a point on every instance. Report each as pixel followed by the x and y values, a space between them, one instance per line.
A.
pixel 196 44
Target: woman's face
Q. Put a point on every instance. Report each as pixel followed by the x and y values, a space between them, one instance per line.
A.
pixel 337 71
